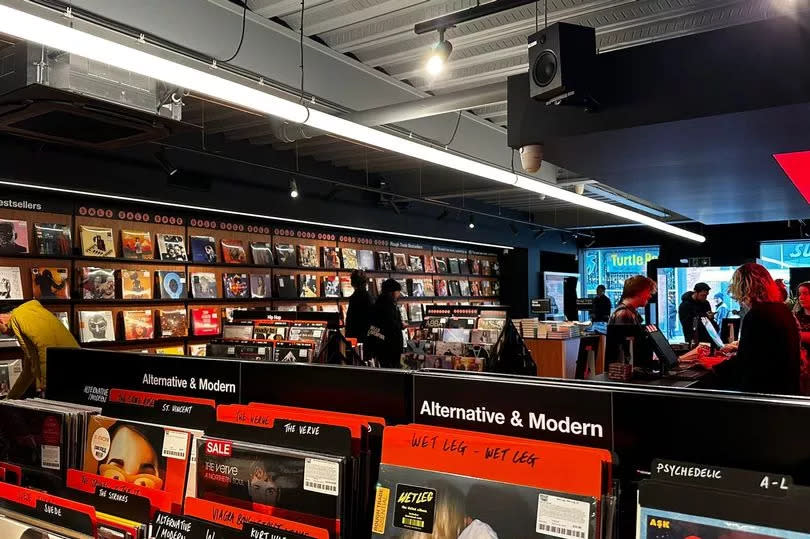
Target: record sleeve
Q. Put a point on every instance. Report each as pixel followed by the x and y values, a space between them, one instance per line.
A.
pixel 449 348
pixel 456 335
pixel 97 241
pixel 496 288
pixel 63 317
pixel 204 321
pixel 416 287
pixel 136 284
pixel 464 288
pixel 233 252
pixel 96 326
pixel 384 261
pixel 475 266
pixel 415 312
pixel 203 249
pixel 430 265
pixel 365 260
pixel 403 311
pixel 137 245
pixel 53 239
pixel 262 253
pixel 441 287
pixel 430 291
pixel 404 284
pixel 484 336
pixel 346 289
pixel 203 285
pixel 138 325
pixel 349 258
pixel 331 286
pixel 285 256
pixel 173 322
pixel 453 288
pixel 197 350
pixel 494 324
pixel 260 285
pixel 238 332
pixel 171 247
pixel 331 257
pixel 469 364
pixel 486 288
pixel 416 264
pixel 401 262
pixel 464 266
pixel 308 256
pixel 13 237
pixel 50 283
pixel 303 331
pixel 475 288
pixel 308 286
pixel 486 267
pixel 236 285
pixel 286 287
pixel 293 352
pixel 441 265
pixel 170 350
pixel 171 284
pixel 271 332
pixel 453 266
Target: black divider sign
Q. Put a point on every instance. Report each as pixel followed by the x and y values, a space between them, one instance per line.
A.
pixel 258 531
pixel 87 376
pixel 329 439
pixel 167 526
pixel 121 504
pixel 61 516
pixel 733 479
pixel 567 415
pixel 174 413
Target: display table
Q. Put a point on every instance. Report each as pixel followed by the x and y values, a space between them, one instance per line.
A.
pixel 557 358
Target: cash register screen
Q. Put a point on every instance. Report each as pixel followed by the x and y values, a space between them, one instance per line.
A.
pixel 662 348
pixel 712 331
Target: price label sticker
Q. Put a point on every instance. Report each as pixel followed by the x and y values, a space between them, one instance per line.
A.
pixel 563 517
pixel 321 476
pixel 175 444
pixel 51 457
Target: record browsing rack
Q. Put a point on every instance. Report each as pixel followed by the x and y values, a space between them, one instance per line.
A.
pixel 130 278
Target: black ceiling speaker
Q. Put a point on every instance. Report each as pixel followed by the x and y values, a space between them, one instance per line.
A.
pixel 561 60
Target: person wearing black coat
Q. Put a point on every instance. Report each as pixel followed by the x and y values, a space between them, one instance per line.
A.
pixel 385 333
pixel 358 315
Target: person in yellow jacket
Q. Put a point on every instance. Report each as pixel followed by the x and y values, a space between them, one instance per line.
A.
pixel 36 329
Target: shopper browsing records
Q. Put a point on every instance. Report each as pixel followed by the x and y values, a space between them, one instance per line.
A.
pixel 601 305
pixel 694 306
pixel 768 356
pixel 385 332
pixel 358 316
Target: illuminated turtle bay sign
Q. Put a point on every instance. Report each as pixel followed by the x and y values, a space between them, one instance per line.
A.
pixel 785 254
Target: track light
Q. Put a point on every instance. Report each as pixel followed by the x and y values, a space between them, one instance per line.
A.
pixel 540 233
pixel 472 222
pixel 293 189
pixel 438 55
pixel 165 164
pixel 514 229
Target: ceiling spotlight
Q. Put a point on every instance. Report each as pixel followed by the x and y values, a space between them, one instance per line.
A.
pixel 514 229
pixel 293 188
pixel 472 222
pixel 165 164
pixel 540 233
pixel 579 188
pixel 438 55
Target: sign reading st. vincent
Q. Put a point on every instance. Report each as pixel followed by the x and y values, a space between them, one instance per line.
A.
pixel 529 410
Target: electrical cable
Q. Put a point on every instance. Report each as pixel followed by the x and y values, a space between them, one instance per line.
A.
pixel 536 16
pixel 455 130
pixel 301 65
pixel 545 2
pixel 241 37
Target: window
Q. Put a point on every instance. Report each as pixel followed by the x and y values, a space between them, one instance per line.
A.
pixel 612 266
pixel 785 254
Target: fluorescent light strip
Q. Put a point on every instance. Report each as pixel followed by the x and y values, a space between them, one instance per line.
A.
pixel 205 80
pixel 243 214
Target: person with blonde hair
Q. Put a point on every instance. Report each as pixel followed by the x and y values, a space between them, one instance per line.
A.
pixel 768 354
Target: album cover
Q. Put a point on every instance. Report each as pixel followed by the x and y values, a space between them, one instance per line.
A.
pixel 415 312
pixel 403 311
pixel 415 287
pixel 441 287
pixel 233 252
pixel 170 350
pixel 494 324
pixel 238 332
pixel 308 256
pixel 293 352
pixel 148 455
pixel 197 350
pixel 331 257
pixel 10 283
pixel 464 266
pixel 430 265
pixel 400 262
pixel 203 285
pixel 171 247
pixel 441 265
pixel 286 287
pixel 453 266
pixel 486 267
pixel 449 348
pixel 384 261
pixel 97 241
pixel 204 321
pixel 136 284
pixel 203 249
pixel 260 285
pixel 456 335
pixel 50 283
pixel 404 284
pixel 486 288
pixel 308 286
pixel 429 289
pixel 136 244
pixel 262 253
pixel 63 317
pixel 660 524
pixel 496 288
pixel 365 260
pixel 53 239
pixel 285 256
pixel 302 331
pixel 475 267
pixel 484 336
pixel 475 288
pixel 173 322
pixel 171 284
pixel 454 288
pixel 235 285
pixel 270 332
pixel 496 269
pixel 138 325
pixel 349 258
pixel 331 286
pixel 227 313
pixel 96 326
pixel 416 264
pixel 464 288
pixel 346 289
pixel 470 364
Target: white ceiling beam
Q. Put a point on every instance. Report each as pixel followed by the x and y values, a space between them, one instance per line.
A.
pixel 333 15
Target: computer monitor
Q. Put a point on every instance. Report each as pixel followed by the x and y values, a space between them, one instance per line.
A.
pixel 712 331
pixel 662 348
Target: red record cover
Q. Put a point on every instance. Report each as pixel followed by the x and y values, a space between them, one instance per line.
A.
pixel 138 325
pixel 205 321
pixel 233 252
pixel 51 283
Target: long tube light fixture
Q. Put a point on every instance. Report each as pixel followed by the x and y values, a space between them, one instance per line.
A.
pixel 71 34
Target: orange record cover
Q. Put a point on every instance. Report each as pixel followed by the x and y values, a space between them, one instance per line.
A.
pixel 137 245
pixel 136 284
pixel 234 517
pixel 233 252
pixel 50 283
pixel 138 325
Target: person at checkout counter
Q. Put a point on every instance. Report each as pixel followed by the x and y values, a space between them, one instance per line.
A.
pixel 768 352
pixel 693 307
pixel 601 305
pixel 636 294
